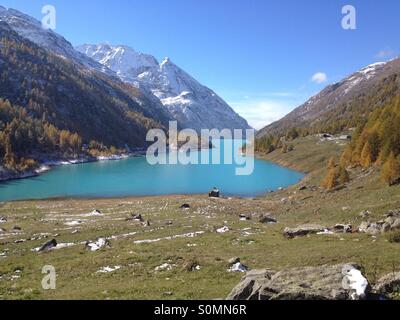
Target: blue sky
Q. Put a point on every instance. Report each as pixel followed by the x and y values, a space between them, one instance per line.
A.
pixel 259 55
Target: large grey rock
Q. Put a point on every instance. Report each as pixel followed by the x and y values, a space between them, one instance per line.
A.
pixel 308 283
pixel 373 229
pixel 388 284
pixel 390 223
pixel 249 287
pixel 363 226
pixel 395 225
pixel 303 230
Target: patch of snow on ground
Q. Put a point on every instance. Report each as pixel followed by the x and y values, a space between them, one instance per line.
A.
pixel 95 246
pixel 354 280
pixel 223 229
pixel 108 269
pixel 94 213
pixel 325 232
pixel 165 267
pixel 186 235
pixel 73 223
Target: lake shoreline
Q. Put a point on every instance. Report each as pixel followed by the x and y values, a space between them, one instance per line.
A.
pixel 226 193
pixel 47 165
pixel 172 196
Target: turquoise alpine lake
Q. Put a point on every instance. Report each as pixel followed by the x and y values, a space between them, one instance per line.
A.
pixel 134 176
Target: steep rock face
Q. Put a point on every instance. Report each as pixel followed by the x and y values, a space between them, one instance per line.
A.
pixel 357 94
pixel 190 103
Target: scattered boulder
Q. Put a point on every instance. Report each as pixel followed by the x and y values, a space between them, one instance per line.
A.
pixel 16 228
pixel 303 230
pixel 244 217
pixel 135 217
pixel 214 193
pixel 391 222
pixel 345 228
pixel 388 284
pixel 185 206
pixel 365 214
pixel 373 229
pixel 302 188
pixel 386 227
pixel 3 219
pixel 395 225
pixel 48 245
pixel 363 226
pixel 339 282
pixel 191 265
pixel 238 267
pixel 97 245
pixel 267 219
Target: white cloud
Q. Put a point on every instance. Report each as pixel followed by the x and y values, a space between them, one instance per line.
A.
pixel 319 77
pixel 261 113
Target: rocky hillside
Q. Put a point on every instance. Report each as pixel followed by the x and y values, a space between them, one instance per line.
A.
pixel 190 103
pixel 344 104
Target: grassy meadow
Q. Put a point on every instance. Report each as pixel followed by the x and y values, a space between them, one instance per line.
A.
pixel 181 255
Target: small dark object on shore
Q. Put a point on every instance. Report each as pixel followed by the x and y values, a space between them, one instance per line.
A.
pixel 48 245
pixel 185 206
pixel 215 193
pixel 16 228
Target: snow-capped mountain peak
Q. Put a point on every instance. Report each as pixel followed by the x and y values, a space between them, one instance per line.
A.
pixel 190 103
pixel 125 61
